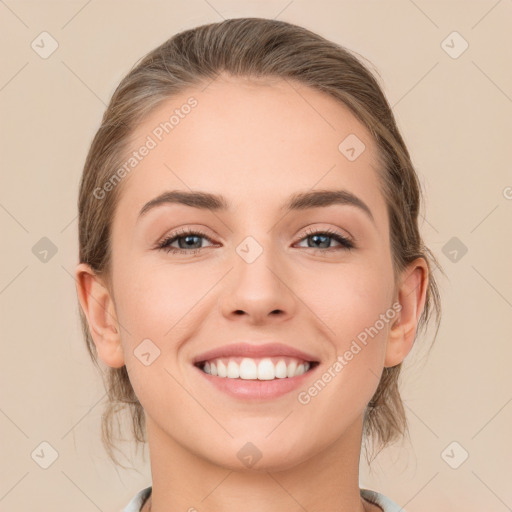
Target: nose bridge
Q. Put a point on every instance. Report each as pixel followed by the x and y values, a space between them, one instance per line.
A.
pixel 255 259
pixel 258 280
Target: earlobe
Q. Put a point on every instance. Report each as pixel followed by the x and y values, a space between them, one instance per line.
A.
pixel 411 296
pixel 98 306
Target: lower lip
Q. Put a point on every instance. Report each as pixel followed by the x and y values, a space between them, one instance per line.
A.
pixel 257 389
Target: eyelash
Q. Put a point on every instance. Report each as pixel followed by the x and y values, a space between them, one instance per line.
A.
pixel 346 244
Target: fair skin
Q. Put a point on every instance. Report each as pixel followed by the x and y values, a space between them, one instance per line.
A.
pixel 256 144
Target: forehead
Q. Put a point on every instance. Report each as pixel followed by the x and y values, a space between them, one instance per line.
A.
pixel 253 141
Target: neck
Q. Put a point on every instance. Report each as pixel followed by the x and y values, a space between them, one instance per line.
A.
pixel 327 481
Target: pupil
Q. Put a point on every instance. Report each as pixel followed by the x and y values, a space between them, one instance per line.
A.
pixel 315 237
pixel 187 240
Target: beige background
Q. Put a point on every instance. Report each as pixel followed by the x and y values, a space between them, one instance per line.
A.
pixel 455 115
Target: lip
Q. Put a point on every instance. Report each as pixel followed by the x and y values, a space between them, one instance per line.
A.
pixel 258 390
pixel 255 351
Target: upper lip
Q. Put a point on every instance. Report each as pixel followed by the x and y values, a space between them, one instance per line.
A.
pixel 255 351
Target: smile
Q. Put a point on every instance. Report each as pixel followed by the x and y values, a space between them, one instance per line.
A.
pixel 256 380
pixel 246 368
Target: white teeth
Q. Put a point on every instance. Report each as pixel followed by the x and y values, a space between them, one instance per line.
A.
pixel 266 370
pixel 221 369
pixel 249 369
pixel 233 370
pixel 281 369
pixel 291 369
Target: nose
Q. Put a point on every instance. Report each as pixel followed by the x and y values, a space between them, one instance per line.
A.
pixel 259 291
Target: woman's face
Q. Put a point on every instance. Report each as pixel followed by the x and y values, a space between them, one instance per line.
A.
pixel 257 274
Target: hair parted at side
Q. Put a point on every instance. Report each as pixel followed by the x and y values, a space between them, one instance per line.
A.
pixel 251 48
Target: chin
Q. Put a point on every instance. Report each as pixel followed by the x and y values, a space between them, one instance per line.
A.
pixel 257 456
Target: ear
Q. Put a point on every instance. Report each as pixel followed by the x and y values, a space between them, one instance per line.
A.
pixel 411 295
pixel 99 308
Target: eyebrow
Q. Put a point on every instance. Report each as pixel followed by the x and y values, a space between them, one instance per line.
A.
pixel 298 201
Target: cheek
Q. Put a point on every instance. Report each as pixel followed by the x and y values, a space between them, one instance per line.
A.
pixel 160 301
pixel 154 306
pixel 144 296
pixel 357 309
pixel 355 305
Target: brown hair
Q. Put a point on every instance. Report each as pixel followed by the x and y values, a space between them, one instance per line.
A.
pixel 251 47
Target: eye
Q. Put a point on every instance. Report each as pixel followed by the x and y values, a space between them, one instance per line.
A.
pixel 188 241
pixel 322 237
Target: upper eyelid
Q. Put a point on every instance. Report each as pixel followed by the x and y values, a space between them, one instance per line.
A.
pixel 186 231
pixel 329 231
